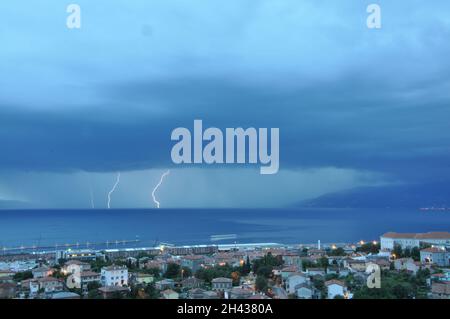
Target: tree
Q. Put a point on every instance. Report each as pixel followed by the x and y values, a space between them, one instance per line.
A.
pixel 151 291
pixel 339 252
pixel 173 271
pixel 23 275
pixel 153 271
pixel 397 251
pixel 267 263
pixel 264 271
pixel 261 284
pixel 187 272
pixel 246 267
pixel 372 248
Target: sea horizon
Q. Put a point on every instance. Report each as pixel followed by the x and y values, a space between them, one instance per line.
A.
pixel 207 226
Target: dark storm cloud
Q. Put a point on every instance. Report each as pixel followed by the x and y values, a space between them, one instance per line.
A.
pixel 347 125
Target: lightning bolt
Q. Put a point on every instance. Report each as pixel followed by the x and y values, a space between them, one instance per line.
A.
pixel 91 193
pixel 157 186
pixel 113 189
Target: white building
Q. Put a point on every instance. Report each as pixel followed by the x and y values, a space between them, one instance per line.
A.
pixel 114 276
pixel 303 291
pixel 294 280
pixel 410 240
pixel 75 266
pixel 336 288
pixel 80 280
pixel 435 255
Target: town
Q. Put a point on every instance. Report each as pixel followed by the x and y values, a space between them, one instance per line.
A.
pixel 412 265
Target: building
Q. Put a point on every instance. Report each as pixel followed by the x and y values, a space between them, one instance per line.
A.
pixel 435 255
pixel 6 273
pixel 194 262
pixel 142 278
pixel 287 271
pixel 410 240
pixel 165 284
pixel 192 282
pixel 75 266
pixel 315 271
pixel 198 293
pixel 304 291
pixel 113 292
pixel 222 284
pixel 78 254
pixel 294 280
pixel 114 276
pixel 440 290
pixel 240 293
pixel 292 259
pixel 7 290
pixel 41 272
pixel 50 284
pixel 169 294
pixel 80 280
pixel 335 288
pixel 355 265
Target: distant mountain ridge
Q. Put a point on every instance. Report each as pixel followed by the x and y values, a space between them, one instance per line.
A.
pixel 396 196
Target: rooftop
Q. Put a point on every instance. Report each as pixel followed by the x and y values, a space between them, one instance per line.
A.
pixel 430 235
pixel 222 279
pixel 334 282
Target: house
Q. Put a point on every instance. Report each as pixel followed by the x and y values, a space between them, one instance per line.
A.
pixel 6 273
pixel 409 240
pixel 383 263
pixel 294 280
pixel 41 272
pixel 7 290
pixel 194 262
pixel 407 264
pixel 192 282
pixel 304 291
pixel 114 276
pixel 316 252
pixel 74 266
pixel 240 293
pixel 315 271
pixel 335 288
pixel 80 280
pixel 169 294
pixel 142 278
pixel 279 293
pixel 7 279
pixel 355 265
pixel 335 260
pixel 198 293
pixel 50 284
pixel 440 290
pixel 287 271
pixel 111 292
pixel 165 284
pixel 435 255
pixel 292 259
pixel 156 264
pixel 222 284
pixel 332 270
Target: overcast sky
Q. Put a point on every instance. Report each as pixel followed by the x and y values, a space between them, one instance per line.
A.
pixel 355 106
